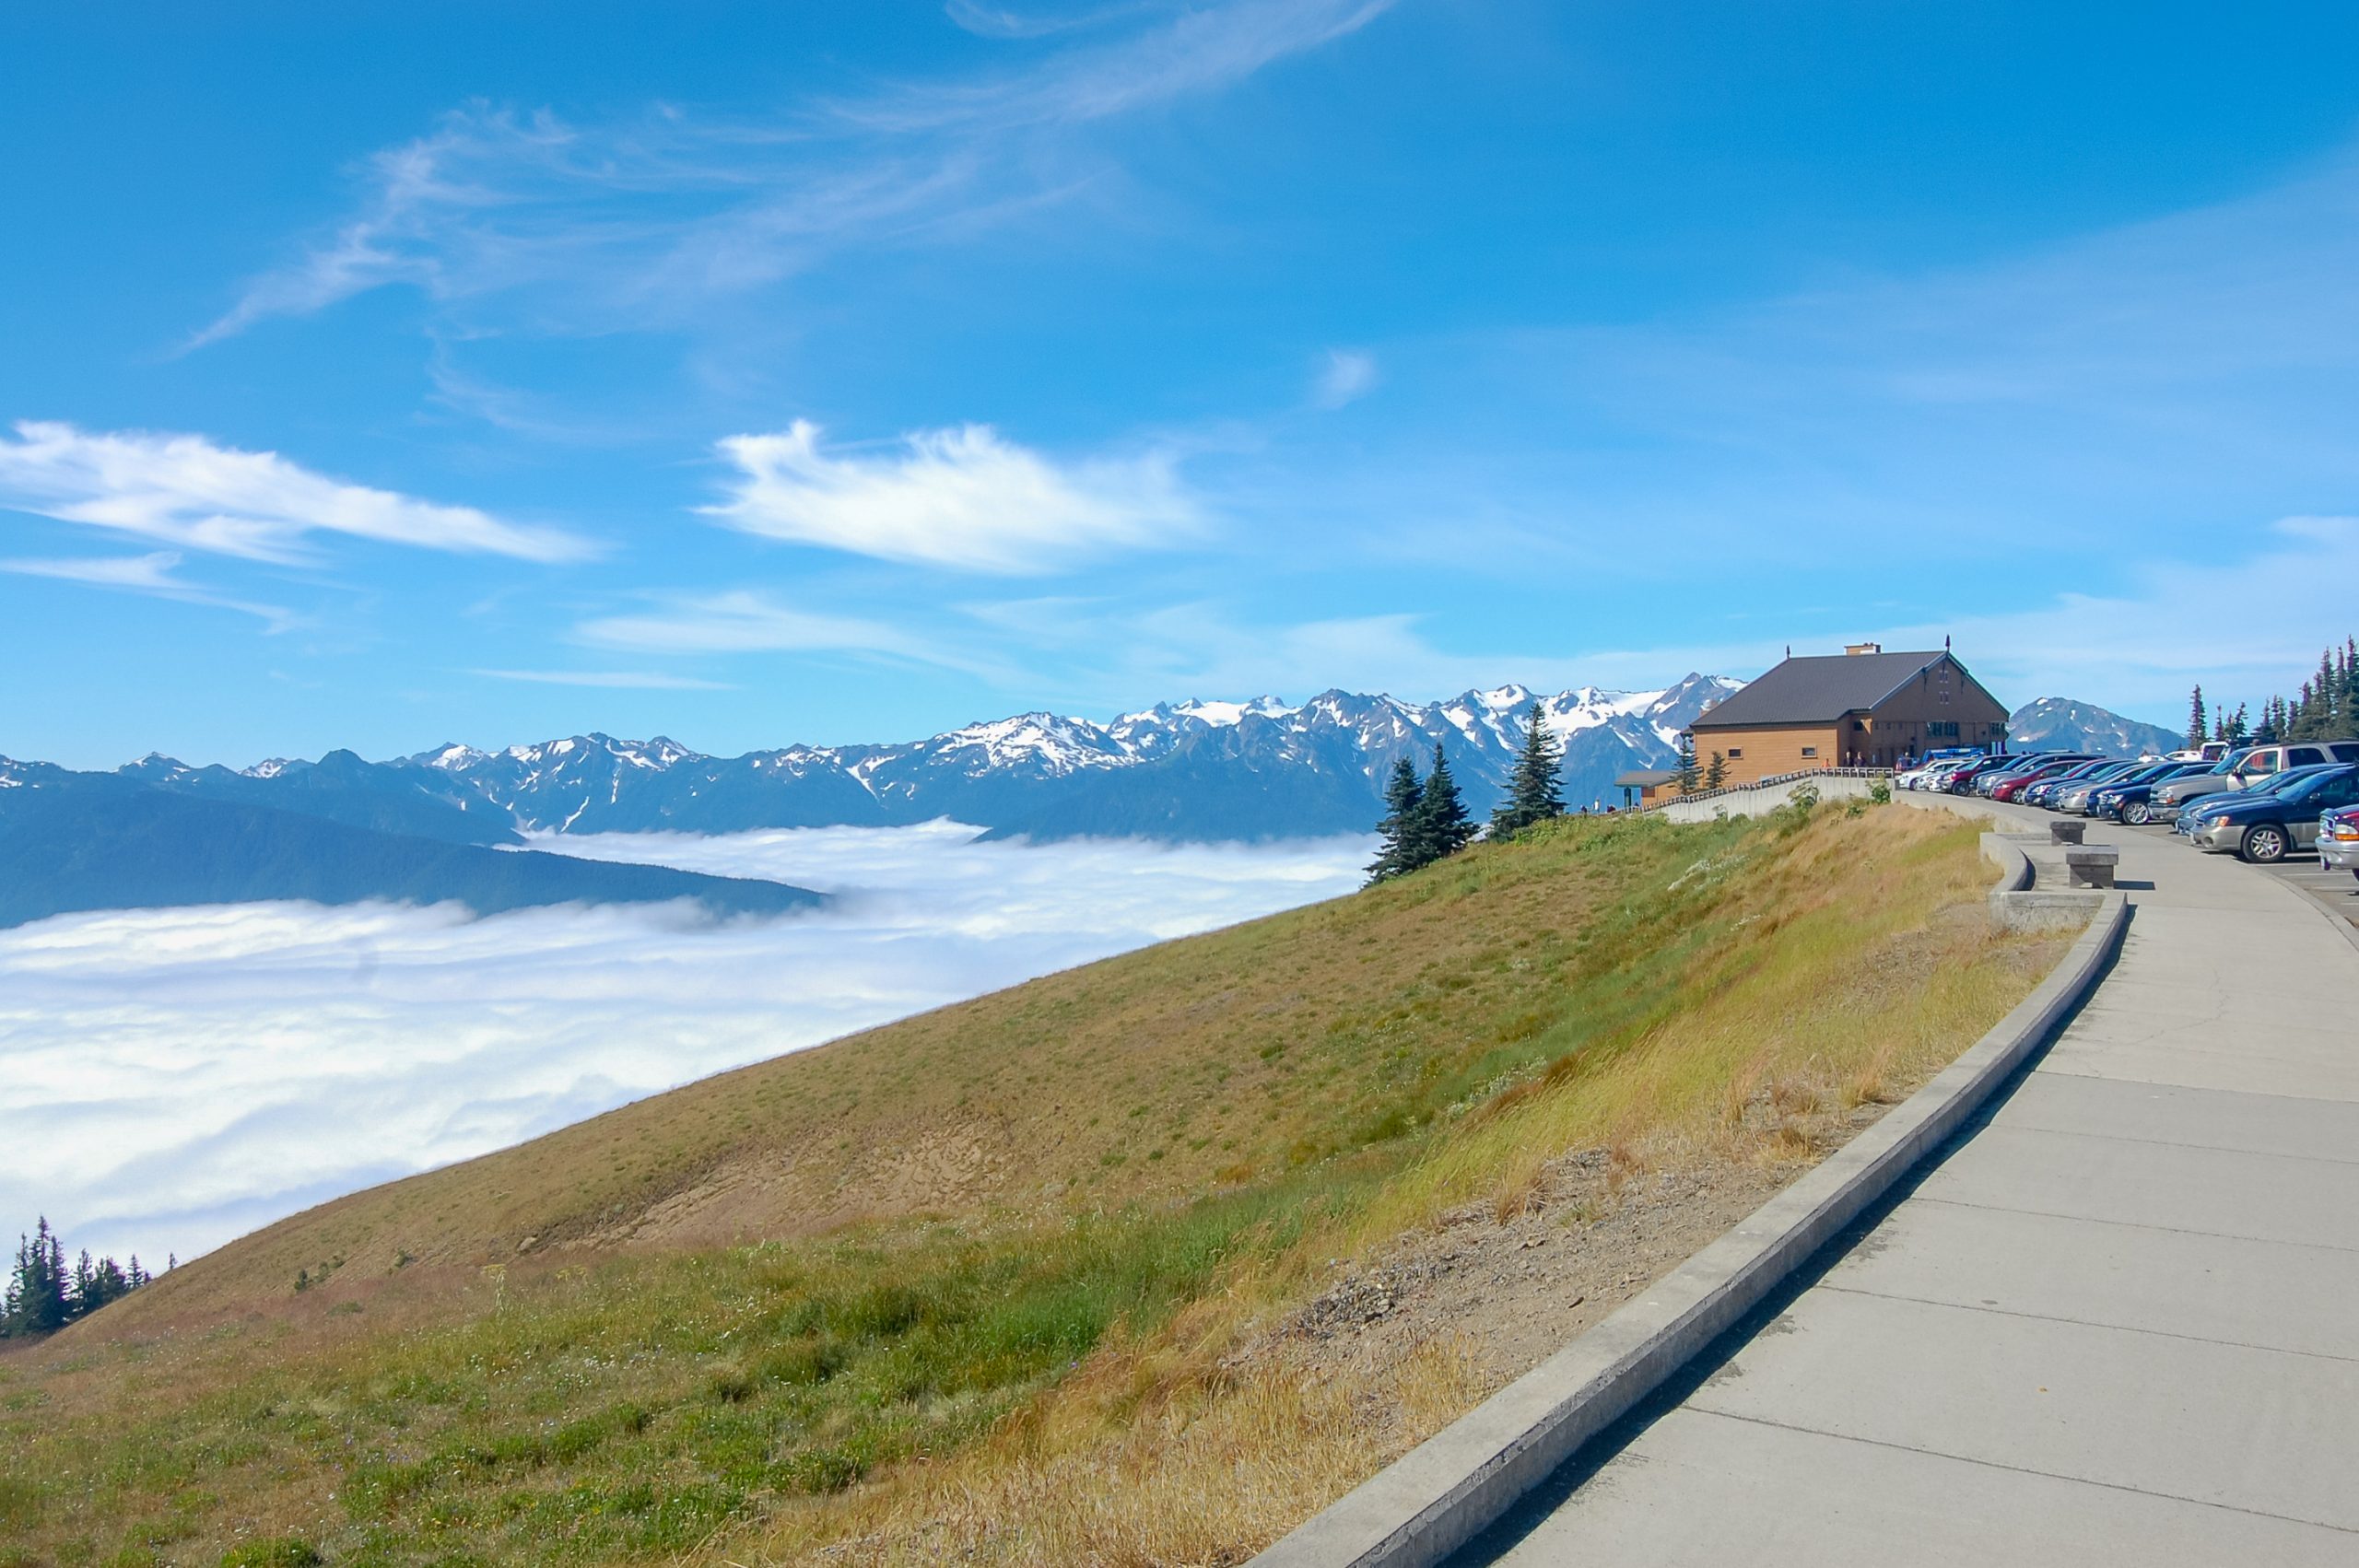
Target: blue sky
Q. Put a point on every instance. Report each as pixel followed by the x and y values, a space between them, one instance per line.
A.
pixel 379 375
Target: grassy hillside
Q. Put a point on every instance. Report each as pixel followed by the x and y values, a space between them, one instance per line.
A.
pixel 988 1279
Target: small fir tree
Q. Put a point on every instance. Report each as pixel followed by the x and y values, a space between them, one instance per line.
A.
pixel 1402 797
pixel 1683 775
pixel 1443 826
pixel 1533 793
pixel 1716 771
pixel 2195 721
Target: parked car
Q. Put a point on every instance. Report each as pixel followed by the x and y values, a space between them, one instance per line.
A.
pixel 2127 800
pixel 2219 779
pixel 2042 792
pixel 2072 798
pixel 2007 787
pixel 2184 823
pixel 1962 780
pixel 2339 839
pixel 2267 825
pixel 2260 762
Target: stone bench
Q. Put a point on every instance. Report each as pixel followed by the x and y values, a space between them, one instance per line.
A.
pixel 2091 865
pixel 2065 831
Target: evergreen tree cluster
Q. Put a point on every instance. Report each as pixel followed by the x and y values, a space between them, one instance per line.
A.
pixel 1424 820
pixel 2326 709
pixel 42 1294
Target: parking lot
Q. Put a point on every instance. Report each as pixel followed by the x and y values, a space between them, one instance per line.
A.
pixel 2336 891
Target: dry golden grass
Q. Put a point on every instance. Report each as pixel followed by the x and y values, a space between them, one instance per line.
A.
pixel 990 1280
pixel 1859 962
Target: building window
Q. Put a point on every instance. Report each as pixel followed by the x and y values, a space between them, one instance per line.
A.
pixel 1810 751
pixel 1859 726
pixel 1735 752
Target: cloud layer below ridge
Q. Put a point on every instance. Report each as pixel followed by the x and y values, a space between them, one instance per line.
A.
pixel 171 1079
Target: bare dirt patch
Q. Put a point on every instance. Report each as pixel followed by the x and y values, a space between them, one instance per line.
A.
pixel 1506 1292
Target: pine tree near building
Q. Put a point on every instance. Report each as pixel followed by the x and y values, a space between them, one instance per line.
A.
pixel 1683 776
pixel 1443 826
pixel 1534 795
pixel 1403 797
pixel 1716 771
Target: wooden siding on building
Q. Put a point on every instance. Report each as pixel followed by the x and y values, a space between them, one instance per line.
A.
pixel 1752 754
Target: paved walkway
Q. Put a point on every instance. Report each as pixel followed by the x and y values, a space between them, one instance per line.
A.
pixel 2118 1325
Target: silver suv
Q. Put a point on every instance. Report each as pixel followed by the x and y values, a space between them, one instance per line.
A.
pixel 2243 770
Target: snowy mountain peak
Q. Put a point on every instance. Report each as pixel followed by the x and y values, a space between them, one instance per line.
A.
pixel 1221 715
pixel 269 768
pixel 1054 744
pixel 156 766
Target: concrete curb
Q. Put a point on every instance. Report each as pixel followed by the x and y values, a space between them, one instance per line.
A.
pixel 1454 1485
pixel 2016 905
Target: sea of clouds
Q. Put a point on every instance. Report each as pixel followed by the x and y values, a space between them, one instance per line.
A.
pixel 172 1077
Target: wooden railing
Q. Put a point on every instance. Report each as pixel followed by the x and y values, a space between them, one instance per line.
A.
pixel 1771 782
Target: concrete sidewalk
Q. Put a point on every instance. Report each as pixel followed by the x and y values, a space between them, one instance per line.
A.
pixel 2119 1324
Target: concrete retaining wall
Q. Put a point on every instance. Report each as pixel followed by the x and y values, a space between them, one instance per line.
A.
pixel 1769 797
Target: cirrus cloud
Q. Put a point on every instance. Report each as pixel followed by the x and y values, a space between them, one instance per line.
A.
pixel 154 574
pixel 188 492
pixel 963 498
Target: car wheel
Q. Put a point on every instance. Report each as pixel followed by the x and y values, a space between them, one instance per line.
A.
pixel 2138 814
pixel 2264 842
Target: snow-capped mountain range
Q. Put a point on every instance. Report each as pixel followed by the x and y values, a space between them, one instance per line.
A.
pixel 1184 770
pixel 1194 769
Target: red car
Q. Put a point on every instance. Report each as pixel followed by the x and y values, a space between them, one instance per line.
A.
pixel 2014 787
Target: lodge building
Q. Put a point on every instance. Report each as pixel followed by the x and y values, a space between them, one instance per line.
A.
pixel 1861 708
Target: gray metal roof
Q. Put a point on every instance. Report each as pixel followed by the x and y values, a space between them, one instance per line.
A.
pixel 1639 778
pixel 1815 689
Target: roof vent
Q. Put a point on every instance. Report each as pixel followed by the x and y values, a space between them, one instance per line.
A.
pixel 1859 648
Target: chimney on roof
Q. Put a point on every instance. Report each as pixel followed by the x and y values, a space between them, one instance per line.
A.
pixel 1859 648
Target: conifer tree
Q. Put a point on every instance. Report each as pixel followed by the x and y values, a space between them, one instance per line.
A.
pixel 1402 797
pixel 2195 721
pixel 36 1299
pixel 1683 776
pixel 1443 826
pixel 42 1294
pixel 1716 771
pixel 1533 793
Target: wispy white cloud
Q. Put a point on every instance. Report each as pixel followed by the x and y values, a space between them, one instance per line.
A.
pixel 152 574
pixel 746 621
pixel 659 211
pixel 171 1078
pixel 1348 375
pixel 1034 21
pixel 964 498
pixel 189 493
pixel 618 679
